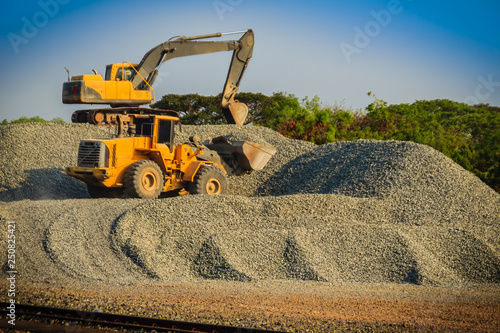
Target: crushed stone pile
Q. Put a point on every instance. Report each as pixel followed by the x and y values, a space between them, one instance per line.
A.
pixel 422 185
pixel 363 211
pixel 308 237
pixel 34 157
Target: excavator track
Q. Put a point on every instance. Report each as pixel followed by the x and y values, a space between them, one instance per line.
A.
pixel 108 116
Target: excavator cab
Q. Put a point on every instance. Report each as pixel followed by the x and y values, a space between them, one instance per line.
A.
pixel 119 72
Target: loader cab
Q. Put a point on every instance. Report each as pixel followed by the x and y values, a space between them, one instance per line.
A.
pixel 159 128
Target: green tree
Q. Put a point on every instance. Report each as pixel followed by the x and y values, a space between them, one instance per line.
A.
pixel 470 135
pixel 205 110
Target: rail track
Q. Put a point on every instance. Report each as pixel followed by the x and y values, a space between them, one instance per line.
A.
pixel 45 319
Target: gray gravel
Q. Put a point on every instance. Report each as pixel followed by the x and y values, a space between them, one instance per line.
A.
pixel 363 211
pixel 33 158
pixel 287 150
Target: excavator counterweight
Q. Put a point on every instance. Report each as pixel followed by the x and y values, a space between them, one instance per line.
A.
pixel 126 86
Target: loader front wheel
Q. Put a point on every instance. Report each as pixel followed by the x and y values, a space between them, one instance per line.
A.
pixel 209 180
pixel 104 192
pixel 143 179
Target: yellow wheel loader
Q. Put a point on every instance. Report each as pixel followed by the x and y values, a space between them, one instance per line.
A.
pixel 126 86
pixel 142 161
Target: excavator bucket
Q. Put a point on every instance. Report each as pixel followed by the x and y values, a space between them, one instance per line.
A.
pixel 241 156
pixel 236 113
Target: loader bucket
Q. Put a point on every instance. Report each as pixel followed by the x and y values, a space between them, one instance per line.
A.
pixel 253 156
pixel 236 113
pixel 241 156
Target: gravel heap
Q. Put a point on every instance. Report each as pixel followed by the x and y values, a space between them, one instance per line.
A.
pixel 421 184
pixel 306 237
pixel 363 211
pixel 248 185
pixel 33 158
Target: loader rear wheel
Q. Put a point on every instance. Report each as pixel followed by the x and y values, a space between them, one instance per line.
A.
pixel 143 179
pixel 104 192
pixel 209 180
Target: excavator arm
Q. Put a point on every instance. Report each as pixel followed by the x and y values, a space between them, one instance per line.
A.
pixel 148 68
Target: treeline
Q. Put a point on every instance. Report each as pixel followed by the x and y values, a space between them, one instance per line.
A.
pixel 469 135
pixel 37 119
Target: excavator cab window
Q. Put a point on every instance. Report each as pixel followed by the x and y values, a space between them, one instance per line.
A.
pixel 108 73
pixel 124 73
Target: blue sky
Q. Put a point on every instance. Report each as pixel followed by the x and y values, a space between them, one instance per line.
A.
pixel 401 50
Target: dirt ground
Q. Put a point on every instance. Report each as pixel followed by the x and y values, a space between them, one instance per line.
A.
pixel 288 306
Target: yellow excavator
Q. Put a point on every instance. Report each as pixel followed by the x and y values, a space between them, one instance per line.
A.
pixel 126 86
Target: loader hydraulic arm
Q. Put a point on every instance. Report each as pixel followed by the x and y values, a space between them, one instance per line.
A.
pixel 149 66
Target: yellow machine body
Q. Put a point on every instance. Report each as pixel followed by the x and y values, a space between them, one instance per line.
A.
pixel 127 86
pixel 116 89
pixel 104 162
pixel 143 161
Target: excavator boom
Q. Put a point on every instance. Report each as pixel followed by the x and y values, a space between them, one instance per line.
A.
pixel 234 112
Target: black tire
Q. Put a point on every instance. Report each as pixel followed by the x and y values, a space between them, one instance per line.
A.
pixel 143 179
pixel 209 180
pixel 104 192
